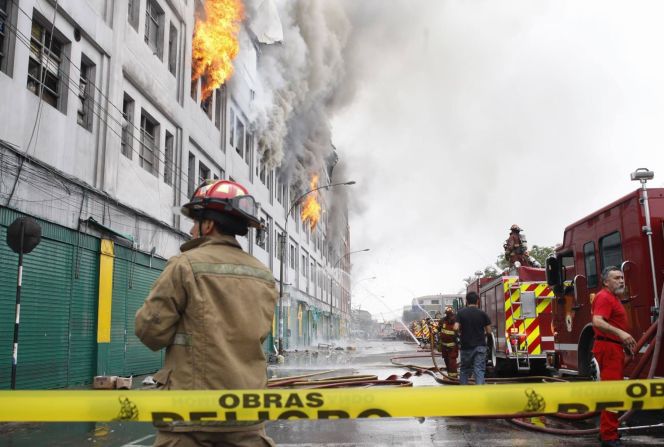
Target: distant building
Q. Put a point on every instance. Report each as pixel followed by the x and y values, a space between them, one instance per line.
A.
pixel 430 304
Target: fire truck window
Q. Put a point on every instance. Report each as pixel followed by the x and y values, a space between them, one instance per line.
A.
pixel 610 250
pixel 590 263
pixel 567 261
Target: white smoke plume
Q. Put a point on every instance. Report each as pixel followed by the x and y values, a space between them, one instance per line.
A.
pixel 301 78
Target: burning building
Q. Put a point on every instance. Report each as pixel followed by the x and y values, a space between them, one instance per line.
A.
pixel 115 115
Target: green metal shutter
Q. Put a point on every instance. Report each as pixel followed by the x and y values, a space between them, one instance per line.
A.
pixel 140 359
pixel 118 316
pixel 83 314
pixel 132 280
pixel 8 262
pixel 44 329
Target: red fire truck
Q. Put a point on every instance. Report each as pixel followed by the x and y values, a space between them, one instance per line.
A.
pixel 627 233
pixel 519 304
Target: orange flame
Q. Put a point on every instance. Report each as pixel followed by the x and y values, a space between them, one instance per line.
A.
pixel 215 43
pixel 311 208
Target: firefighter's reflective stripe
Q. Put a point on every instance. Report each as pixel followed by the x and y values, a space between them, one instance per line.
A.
pixel 446 332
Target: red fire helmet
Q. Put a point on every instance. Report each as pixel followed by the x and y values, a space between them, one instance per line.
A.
pixel 223 196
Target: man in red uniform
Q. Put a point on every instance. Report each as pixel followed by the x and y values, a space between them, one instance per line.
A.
pixel 612 341
pixel 447 337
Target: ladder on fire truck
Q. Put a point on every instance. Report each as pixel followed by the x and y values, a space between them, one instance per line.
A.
pixel 522 355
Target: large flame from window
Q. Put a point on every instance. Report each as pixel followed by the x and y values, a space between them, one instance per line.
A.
pixel 215 43
pixel 310 207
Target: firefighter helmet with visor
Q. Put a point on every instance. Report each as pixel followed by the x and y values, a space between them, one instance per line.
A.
pixel 215 199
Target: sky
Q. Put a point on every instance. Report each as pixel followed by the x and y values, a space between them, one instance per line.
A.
pixel 470 116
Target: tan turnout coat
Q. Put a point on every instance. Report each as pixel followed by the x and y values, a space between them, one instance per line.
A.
pixel 211 308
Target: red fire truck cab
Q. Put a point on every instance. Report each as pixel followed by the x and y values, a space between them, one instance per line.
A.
pixel 617 235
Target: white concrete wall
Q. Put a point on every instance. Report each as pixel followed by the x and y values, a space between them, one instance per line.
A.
pixel 126 64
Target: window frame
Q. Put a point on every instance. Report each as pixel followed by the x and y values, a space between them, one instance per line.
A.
pixel 86 89
pixel 154 15
pixel 590 264
pixel 149 162
pixel 38 58
pixel 169 158
pixel 602 250
pixel 127 138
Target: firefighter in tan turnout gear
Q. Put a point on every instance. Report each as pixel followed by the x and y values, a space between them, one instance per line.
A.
pixel 211 308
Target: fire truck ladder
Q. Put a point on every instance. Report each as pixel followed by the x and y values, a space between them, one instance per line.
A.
pixel 522 356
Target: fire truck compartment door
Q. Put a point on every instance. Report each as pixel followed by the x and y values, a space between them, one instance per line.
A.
pixel 528 305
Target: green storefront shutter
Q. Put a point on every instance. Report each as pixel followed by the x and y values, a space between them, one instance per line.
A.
pixel 44 329
pixel 83 316
pixel 8 265
pixel 139 360
pixel 118 315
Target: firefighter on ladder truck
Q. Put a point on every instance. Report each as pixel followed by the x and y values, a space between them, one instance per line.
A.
pixel 516 248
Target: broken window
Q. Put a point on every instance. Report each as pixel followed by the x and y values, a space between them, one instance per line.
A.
pixel 44 70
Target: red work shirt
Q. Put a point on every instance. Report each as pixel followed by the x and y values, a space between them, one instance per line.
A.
pixel 607 305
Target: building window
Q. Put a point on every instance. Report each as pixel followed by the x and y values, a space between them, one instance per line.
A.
pixel 132 13
pixel 203 173
pixel 239 137
pixel 194 90
pixel 149 153
pixel 206 103
pixel 293 257
pixel 168 159
pixel 154 32
pixel 6 36
pixel 249 148
pixel 304 265
pixel 217 108
pixel 127 143
pixel 191 175
pixel 265 242
pixel 86 92
pixel 232 129
pixel 44 69
pixel 172 49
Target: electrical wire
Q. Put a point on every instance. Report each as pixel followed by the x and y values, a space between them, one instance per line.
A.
pixel 97 105
pixel 42 79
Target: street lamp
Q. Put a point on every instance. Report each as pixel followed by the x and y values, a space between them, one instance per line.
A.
pixel 332 286
pixel 283 236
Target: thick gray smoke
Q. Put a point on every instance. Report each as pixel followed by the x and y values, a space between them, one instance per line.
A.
pixel 301 78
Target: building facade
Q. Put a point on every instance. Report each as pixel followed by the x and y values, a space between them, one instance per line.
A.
pixel 103 136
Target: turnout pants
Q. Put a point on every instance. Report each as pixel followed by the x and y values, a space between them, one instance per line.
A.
pixel 450 355
pixel 610 357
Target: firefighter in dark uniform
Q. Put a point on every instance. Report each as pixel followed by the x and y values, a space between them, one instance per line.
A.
pixel 447 337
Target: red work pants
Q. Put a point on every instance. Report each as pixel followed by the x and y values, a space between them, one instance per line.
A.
pixel 450 355
pixel 610 357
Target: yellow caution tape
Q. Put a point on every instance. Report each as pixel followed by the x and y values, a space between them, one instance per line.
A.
pixel 272 404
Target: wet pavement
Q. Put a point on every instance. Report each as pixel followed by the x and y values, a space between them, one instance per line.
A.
pixel 375 358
